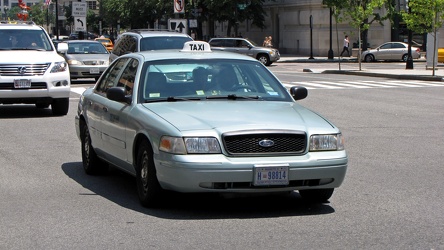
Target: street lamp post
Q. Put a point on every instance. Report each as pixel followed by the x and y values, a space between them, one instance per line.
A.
pixel 330 51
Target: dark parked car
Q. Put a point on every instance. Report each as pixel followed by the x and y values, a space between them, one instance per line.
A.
pixel 75 36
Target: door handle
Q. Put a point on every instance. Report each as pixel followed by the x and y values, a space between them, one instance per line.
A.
pixel 105 109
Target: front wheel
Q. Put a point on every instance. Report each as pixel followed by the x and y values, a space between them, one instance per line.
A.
pixel 369 58
pixel 148 186
pixel 317 195
pixel 264 59
pixel 60 106
pixel 91 162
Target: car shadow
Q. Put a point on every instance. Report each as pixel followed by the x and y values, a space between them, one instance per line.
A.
pixel 120 188
pixel 23 111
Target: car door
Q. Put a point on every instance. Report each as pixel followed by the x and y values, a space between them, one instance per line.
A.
pixel 115 115
pixel 397 51
pixel 384 52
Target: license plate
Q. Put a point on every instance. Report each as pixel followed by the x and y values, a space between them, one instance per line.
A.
pixel 94 71
pixel 22 83
pixel 268 175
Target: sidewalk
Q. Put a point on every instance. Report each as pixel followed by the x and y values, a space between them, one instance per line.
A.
pixel 350 66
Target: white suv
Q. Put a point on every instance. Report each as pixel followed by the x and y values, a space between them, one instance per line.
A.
pixel 31 70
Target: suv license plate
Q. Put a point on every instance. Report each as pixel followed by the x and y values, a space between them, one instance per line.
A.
pixel 94 71
pixel 267 175
pixel 22 83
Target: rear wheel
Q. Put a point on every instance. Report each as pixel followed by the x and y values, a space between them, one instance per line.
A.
pixel 91 162
pixel 317 195
pixel 405 57
pixel 148 186
pixel 264 59
pixel 60 106
pixel 369 58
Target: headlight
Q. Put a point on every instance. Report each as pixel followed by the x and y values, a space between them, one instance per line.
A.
pixel 59 67
pixel 190 145
pixel 74 62
pixel 326 142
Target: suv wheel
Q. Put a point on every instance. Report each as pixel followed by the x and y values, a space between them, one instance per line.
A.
pixel 60 106
pixel 264 59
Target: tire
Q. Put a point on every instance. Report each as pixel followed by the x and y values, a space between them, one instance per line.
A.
pixel 264 59
pixel 405 57
pixel 369 58
pixel 60 106
pixel 148 187
pixel 92 164
pixel 317 195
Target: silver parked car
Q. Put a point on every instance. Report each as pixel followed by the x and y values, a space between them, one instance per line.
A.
pixel 247 47
pixel 196 120
pixel 86 58
pixel 391 51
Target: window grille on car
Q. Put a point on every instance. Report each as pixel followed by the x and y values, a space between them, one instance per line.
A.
pixel 265 143
pixel 23 69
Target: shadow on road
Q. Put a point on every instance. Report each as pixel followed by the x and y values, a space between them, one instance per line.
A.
pixel 120 188
pixel 23 111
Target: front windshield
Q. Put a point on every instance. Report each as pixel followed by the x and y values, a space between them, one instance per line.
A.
pixel 162 42
pixel 86 48
pixel 209 79
pixel 22 39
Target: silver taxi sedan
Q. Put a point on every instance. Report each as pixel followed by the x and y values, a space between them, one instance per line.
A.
pixel 196 120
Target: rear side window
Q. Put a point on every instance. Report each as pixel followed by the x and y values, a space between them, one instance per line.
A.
pixel 126 44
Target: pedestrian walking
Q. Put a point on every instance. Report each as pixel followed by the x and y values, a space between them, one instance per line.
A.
pixel 346 44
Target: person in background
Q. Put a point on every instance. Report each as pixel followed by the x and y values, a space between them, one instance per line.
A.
pixel 270 42
pixel 265 43
pixel 346 44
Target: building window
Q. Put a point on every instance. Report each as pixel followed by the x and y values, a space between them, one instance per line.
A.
pixel 92 5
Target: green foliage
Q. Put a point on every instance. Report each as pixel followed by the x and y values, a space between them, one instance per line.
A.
pixel 424 15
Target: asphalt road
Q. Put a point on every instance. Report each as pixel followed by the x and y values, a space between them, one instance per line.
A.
pixel 392 197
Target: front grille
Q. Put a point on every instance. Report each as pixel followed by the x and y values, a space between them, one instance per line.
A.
pixel 34 85
pixel 23 69
pixel 247 143
pixel 94 62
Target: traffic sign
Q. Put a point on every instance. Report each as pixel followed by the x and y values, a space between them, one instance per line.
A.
pixel 179 6
pixel 179 25
pixel 79 23
pixel 79 9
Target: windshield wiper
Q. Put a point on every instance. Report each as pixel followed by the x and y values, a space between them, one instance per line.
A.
pixel 234 97
pixel 39 49
pixel 174 99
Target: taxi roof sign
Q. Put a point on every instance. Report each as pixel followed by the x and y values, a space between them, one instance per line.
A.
pixel 196 46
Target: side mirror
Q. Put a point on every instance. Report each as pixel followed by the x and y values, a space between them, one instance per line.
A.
pixel 298 92
pixel 118 94
pixel 62 47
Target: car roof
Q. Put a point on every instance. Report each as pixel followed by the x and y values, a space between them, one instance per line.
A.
pixel 19 25
pixel 159 33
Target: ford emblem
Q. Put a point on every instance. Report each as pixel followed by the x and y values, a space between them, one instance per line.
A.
pixel 266 143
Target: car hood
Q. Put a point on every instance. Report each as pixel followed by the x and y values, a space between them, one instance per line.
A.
pixel 28 56
pixel 240 115
pixel 83 57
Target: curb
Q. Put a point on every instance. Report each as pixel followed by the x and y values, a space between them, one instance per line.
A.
pixel 403 77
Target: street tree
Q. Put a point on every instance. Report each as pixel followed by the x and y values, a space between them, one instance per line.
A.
pixel 425 16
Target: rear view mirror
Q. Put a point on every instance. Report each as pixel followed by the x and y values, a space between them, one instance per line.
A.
pixel 298 92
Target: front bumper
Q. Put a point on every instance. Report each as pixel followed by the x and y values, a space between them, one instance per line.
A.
pixel 42 88
pixel 86 71
pixel 218 173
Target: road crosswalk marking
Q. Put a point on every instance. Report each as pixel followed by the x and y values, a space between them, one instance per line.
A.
pixel 364 84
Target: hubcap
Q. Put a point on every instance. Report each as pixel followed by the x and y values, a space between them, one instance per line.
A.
pixel 144 171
